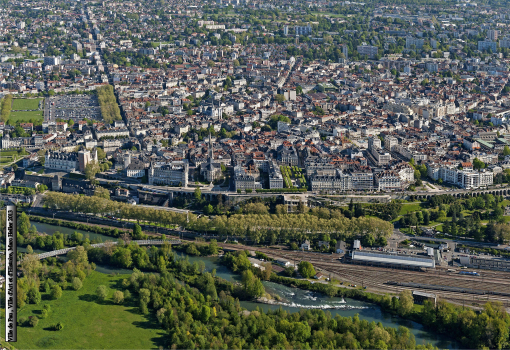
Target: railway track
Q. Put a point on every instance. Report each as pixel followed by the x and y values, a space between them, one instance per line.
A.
pixel 380 284
pixel 377 278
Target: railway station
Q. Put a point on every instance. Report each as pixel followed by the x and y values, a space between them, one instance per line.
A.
pixel 392 260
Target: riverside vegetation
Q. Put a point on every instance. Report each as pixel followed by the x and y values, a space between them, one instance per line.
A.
pixel 486 329
pixel 196 309
pixel 256 224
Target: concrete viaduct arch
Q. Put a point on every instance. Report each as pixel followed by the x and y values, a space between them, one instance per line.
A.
pixel 467 193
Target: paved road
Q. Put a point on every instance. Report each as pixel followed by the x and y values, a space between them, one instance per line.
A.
pixel 47 110
pixel 180 211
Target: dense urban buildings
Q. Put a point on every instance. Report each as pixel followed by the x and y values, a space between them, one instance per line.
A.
pixel 415 89
pixel 376 132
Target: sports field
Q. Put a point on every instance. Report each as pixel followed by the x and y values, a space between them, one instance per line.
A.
pixel 25 104
pixel 25 117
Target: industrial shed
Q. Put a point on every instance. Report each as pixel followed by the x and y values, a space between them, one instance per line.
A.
pixel 393 260
pixel 482 263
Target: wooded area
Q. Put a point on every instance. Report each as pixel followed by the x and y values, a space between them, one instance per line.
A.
pixel 108 103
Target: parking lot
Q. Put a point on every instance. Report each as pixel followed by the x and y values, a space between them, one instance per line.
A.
pixel 72 107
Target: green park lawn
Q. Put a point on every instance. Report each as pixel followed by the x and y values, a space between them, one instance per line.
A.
pixel 88 323
pixel 25 103
pixel 409 208
pixel 8 159
pixel 25 117
pixel 11 152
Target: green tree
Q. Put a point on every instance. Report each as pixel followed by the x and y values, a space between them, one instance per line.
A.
pixel 78 255
pixel 91 169
pixel 44 313
pixel 101 292
pixel 506 151
pixel 289 271
pixel 279 98
pixel 122 257
pixel 205 313
pixel 56 292
pixel 330 290
pixel 198 195
pixel 118 297
pixel 101 192
pixel 252 286
pixel 33 321
pixel 306 269
pixel 426 217
pixel 442 216
pixel 478 164
pixel 137 232
pixel 406 302
pixel 77 283
pixel 145 295
pixel 101 154
pixel 23 224
pixel 33 296
pixel 208 209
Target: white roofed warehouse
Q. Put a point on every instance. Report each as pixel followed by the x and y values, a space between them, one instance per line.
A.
pixel 392 260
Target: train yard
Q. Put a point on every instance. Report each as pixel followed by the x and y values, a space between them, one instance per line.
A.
pixel 455 287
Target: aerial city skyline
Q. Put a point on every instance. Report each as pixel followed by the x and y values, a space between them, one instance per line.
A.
pixel 257 174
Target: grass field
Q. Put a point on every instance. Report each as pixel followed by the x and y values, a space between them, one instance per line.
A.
pixel 25 117
pixel 408 208
pixel 10 153
pixel 8 159
pixel 89 324
pixel 25 103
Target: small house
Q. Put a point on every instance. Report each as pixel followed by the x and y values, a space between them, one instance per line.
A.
pixel 305 245
pixel 283 262
pixel 318 275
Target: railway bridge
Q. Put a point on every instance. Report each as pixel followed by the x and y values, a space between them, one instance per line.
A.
pixel 505 191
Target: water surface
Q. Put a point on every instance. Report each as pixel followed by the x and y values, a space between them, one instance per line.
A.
pixel 292 299
pixel 51 229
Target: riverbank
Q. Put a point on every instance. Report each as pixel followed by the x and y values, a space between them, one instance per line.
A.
pixel 294 299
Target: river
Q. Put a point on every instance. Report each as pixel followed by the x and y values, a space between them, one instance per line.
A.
pixel 51 229
pixel 292 299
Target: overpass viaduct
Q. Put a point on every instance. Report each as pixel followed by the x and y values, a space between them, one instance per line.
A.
pixel 209 195
pixel 504 191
